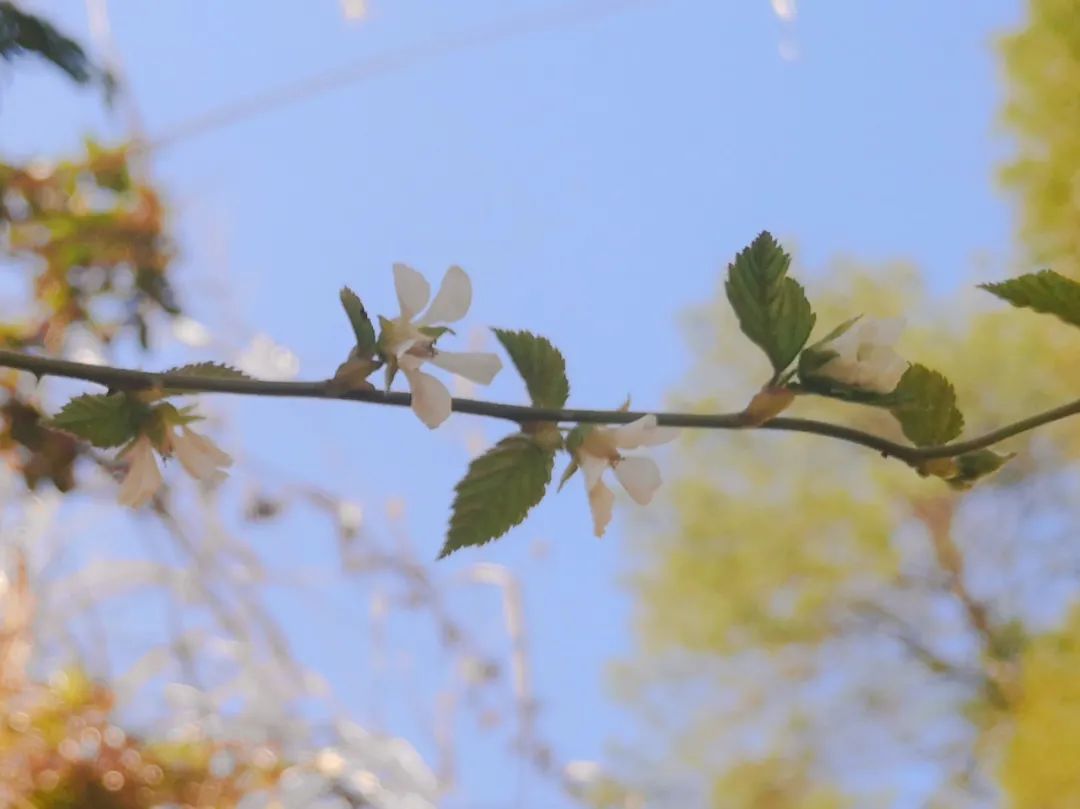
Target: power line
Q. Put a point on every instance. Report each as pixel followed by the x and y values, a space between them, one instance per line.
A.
pixel 559 18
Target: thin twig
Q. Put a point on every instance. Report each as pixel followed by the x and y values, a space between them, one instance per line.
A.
pixel 132 380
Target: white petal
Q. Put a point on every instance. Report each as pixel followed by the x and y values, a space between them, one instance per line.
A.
pixel 601 503
pixel 452 301
pixel 661 435
pixel 631 435
pixel 887 374
pixel 592 469
pixel 841 369
pixel 413 290
pixel 201 458
pixel 643 433
pixel 883 332
pixel 143 477
pixel 640 477
pixel 430 398
pixel 478 367
pixel 219 456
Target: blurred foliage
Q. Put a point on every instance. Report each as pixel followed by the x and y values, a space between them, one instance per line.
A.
pixel 60 749
pixel 807 605
pixel 23 34
pixel 1042 63
pixel 1039 768
pixel 773 784
pixel 86 243
pixel 91 240
pixel 817 626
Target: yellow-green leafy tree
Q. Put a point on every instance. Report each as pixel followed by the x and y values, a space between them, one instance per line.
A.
pixel 816 625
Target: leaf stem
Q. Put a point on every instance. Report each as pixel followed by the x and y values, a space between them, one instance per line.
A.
pixel 130 379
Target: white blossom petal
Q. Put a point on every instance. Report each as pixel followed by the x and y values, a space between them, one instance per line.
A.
pixel 630 436
pixel 643 433
pixel 865 357
pixel 201 458
pixel 841 369
pixel 640 477
pixel 401 350
pixel 430 398
pixel 413 290
pixel 478 367
pixel 601 504
pixel 143 477
pixel 885 331
pixel 452 301
pixel 592 469
pixel 846 346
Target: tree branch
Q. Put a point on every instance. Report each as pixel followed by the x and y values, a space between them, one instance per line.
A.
pixel 131 380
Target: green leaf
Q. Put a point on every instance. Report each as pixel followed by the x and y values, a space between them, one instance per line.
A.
pixel 974 466
pixel 208 370
pixel 772 308
pixel 925 406
pixel 1045 291
pixel 497 492
pixel 203 370
pixel 105 420
pixel 540 364
pixel 22 33
pixel 361 323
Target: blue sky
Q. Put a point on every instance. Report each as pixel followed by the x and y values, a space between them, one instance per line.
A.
pixel 594 179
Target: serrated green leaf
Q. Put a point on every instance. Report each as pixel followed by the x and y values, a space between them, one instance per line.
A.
pixel 360 322
pixel 203 370
pixel 208 370
pixel 497 492
pixel 925 406
pixel 772 309
pixel 1045 291
pixel 974 466
pixel 540 364
pixel 105 420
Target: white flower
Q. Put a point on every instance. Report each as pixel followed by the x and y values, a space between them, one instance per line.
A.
pixel 143 477
pixel 865 357
pixel 411 347
pixel 639 476
pixel 200 457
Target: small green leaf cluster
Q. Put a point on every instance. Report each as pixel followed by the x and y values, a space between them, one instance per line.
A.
pixel 109 420
pixel 774 313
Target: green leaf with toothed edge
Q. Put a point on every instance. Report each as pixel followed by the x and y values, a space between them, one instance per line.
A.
pixel 925 406
pixel 105 420
pixel 498 491
pixel 1046 291
pixel 540 364
pixel 772 309
pixel 202 370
